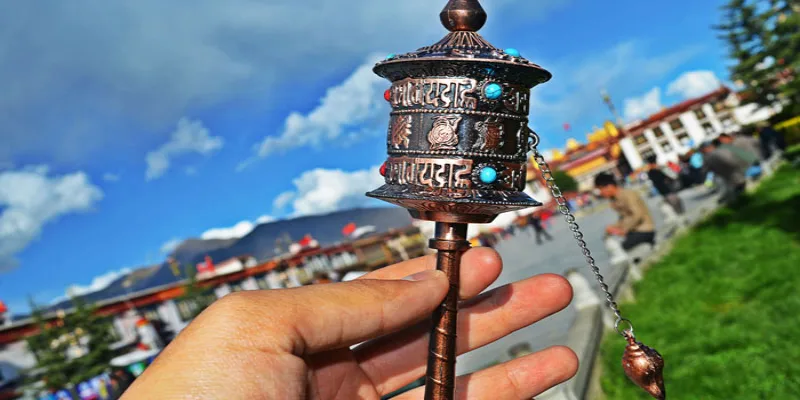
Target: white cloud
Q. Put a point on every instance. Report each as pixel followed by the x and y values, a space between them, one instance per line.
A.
pixel 643 106
pixel 574 93
pixel 189 137
pixel 146 63
pixel 170 246
pixel 237 231
pixel 283 200
pixel 30 199
pixel 694 84
pixel 109 177
pixel 98 283
pixel 324 190
pixel 356 101
pixel 265 219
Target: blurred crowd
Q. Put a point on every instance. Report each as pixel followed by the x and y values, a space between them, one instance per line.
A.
pixel 724 164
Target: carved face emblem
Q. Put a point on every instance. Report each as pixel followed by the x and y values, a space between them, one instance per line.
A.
pixel 401 130
pixel 444 134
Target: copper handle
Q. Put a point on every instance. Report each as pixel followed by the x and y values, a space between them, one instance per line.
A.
pixel 450 242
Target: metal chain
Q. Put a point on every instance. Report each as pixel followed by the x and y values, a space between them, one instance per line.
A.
pixel 547 174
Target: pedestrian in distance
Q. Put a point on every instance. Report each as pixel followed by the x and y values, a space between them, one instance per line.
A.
pixel 664 185
pixel 728 167
pixel 635 224
pixel 535 222
pixel 747 148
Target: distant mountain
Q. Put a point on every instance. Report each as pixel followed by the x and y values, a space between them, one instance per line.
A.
pixel 326 229
pixel 260 243
pixel 191 247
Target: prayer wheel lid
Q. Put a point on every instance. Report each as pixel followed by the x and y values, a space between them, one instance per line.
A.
pixel 461 51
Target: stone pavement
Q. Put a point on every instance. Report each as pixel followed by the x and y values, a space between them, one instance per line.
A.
pixel 523 258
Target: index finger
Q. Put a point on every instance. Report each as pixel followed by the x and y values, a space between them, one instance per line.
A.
pixel 312 319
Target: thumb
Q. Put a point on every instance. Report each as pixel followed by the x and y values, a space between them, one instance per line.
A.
pixel 316 318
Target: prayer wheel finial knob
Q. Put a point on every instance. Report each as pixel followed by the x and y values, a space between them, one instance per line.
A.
pixel 463 15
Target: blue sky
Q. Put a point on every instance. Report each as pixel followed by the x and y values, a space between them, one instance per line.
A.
pixel 129 125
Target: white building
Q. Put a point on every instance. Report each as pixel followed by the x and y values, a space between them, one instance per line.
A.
pixel 675 130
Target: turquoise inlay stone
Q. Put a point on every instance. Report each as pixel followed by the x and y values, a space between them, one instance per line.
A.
pixel 493 91
pixel 488 175
pixel 512 52
pixel 390 56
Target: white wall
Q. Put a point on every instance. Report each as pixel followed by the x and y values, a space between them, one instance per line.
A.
pixel 752 113
pixel 629 149
pixel 693 128
pixel 14 358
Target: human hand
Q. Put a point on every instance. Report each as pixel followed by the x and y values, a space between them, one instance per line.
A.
pixel 294 343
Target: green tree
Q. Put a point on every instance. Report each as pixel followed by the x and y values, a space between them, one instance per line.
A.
pixel 565 182
pixel 763 38
pixel 72 347
pixel 194 295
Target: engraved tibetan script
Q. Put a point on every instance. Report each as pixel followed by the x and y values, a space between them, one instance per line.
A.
pixel 436 92
pixel 516 100
pixel 430 172
pixel 513 177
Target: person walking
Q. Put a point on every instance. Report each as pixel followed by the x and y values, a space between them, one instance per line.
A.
pixel 747 148
pixel 771 140
pixel 696 163
pixel 664 185
pixel 635 223
pixel 728 167
pixel 536 223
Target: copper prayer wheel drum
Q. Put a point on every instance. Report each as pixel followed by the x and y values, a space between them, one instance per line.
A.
pixel 458 137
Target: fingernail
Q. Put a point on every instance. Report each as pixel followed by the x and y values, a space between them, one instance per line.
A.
pixel 423 276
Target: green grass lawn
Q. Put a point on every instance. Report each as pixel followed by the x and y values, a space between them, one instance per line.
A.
pixel 723 307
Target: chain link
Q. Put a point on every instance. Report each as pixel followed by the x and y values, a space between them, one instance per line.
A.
pixel 547 174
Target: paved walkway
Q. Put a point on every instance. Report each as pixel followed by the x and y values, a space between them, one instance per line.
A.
pixel 523 258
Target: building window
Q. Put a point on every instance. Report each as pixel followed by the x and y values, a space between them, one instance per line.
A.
pixel 647 154
pixel 676 124
pixel 685 140
pixel 151 314
pixel 709 129
pixel 719 106
pixel 658 132
pixel 667 147
pixel 237 286
pixel 189 308
pixel 263 284
pixel 700 114
pixel 641 140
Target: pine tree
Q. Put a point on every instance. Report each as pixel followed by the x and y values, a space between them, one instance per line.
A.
pixel 195 295
pixel 565 181
pixel 72 348
pixel 763 37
